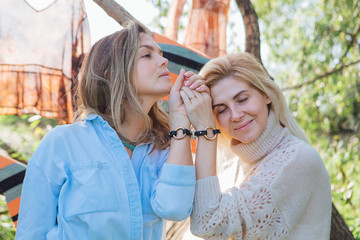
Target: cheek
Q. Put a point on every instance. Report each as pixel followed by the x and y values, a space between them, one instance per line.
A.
pixel 221 119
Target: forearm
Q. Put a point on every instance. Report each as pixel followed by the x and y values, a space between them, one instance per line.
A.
pixel 205 163
pixel 173 195
pixel 180 151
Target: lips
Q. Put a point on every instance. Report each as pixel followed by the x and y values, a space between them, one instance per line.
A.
pixel 244 126
pixel 165 74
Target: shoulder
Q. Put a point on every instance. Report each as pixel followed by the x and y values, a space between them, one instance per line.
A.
pixel 307 155
pixel 61 132
pixel 302 159
pixel 60 139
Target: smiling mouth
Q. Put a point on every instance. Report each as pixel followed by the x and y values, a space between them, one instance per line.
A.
pixel 245 126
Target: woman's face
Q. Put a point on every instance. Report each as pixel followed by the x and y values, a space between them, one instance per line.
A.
pixel 152 78
pixel 240 110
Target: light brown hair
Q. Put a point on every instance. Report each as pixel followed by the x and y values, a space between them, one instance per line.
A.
pixel 106 85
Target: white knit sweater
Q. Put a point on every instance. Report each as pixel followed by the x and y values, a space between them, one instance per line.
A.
pixel 285 194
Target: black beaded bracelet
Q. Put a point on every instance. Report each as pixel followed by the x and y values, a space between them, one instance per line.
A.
pixel 205 133
pixel 184 131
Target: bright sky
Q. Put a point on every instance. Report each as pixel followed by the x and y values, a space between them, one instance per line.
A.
pixel 101 24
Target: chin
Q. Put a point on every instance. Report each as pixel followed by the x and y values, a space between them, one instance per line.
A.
pixel 245 140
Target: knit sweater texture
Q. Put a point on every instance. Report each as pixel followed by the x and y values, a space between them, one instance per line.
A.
pixel 285 193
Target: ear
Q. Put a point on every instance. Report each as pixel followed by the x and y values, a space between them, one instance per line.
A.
pixel 267 99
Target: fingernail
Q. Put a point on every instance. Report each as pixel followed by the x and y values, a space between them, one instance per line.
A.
pixel 192 86
pixel 187 83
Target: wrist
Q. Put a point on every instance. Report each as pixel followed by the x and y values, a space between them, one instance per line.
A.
pixel 204 125
pixel 179 122
pixel 209 132
pixel 180 133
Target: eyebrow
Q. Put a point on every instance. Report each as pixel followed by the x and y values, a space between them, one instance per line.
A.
pixel 234 97
pixel 150 48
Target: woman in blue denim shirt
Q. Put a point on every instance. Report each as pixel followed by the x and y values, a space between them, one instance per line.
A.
pixel 114 173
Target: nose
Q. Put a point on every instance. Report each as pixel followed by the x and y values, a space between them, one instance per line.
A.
pixel 236 114
pixel 164 61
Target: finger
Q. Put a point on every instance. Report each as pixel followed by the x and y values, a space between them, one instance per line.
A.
pixel 189 93
pixel 188 74
pixel 196 94
pixel 179 81
pixel 185 98
pixel 197 83
pixel 192 95
pixel 203 88
pixel 190 80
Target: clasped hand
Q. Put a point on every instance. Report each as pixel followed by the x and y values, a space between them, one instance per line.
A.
pixel 190 101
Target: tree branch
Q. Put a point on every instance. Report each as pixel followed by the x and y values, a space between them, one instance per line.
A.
pixel 341 67
pixel 353 40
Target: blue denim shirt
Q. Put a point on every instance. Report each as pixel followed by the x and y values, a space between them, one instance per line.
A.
pixel 81 184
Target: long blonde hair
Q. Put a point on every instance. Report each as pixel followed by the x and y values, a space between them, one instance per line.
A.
pixel 244 66
pixel 105 86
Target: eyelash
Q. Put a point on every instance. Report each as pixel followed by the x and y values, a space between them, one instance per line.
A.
pixel 148 55
pixel 242 100
pixel 220 112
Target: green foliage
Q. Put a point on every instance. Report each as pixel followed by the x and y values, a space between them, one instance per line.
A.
pixel 19 137
pixel 7 228
pixel 314 45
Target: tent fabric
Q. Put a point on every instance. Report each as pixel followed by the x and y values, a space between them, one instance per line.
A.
pixel 12 175
pixel 40 54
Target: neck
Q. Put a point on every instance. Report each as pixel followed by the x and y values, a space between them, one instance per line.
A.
pixel 133 124
pixel 147 102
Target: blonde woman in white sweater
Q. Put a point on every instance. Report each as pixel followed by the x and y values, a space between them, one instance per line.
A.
pixel 286 192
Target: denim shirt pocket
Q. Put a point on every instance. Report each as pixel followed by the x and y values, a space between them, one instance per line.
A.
pixel 90 189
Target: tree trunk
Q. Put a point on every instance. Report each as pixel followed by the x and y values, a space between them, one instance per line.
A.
pixel 173 16
pixel 339 229
pixel 206 29
pixel 251 27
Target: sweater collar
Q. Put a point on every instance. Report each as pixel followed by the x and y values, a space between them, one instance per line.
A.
pixel 251 153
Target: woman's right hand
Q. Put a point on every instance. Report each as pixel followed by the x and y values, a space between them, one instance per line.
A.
pixel 177 111
pixel 198 107
pixel 195 82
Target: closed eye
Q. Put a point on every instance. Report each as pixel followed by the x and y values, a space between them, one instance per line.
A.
pixel 220 110
pixel 242 100
pixel 148 55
